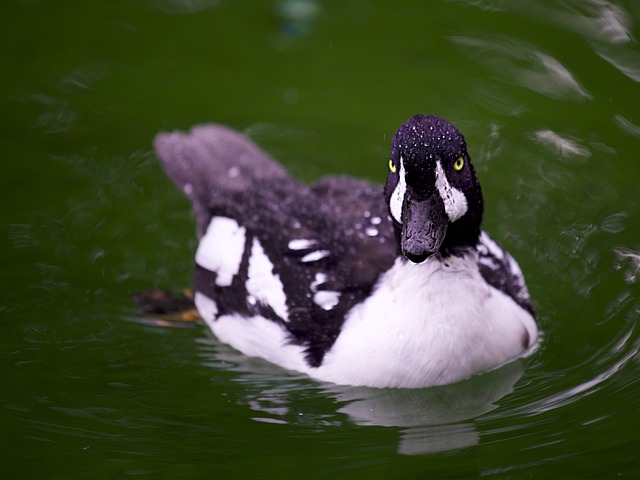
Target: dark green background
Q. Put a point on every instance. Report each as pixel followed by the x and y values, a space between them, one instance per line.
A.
pixel 547 96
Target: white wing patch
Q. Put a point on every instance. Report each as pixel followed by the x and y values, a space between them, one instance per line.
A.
pixel 264 285
pixel 301 244
pixel 397 197
pixel 315 256
pixel 221 248
pixel 319 279
pixel 455 203
pixel 260 337
pixel 206 307
pixel 371 231
pixel 325 299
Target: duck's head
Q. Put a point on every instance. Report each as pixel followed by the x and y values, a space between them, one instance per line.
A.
pixel 432 190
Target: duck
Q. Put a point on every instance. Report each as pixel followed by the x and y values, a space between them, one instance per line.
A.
pixel 346 281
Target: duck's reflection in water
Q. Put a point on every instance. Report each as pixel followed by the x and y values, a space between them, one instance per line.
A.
pixel 429 420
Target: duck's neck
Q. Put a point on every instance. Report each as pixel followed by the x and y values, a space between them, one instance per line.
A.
pixel 462 234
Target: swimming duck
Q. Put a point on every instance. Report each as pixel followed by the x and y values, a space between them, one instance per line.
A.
pixel 343 280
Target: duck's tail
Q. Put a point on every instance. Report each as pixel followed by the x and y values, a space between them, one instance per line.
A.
pixel 210 163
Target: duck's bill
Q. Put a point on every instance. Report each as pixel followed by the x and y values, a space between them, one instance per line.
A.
pixel 424 226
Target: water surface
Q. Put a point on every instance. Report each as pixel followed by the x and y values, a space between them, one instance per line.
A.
pixel 547 96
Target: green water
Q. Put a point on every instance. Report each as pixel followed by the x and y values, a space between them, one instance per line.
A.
pixel 547 96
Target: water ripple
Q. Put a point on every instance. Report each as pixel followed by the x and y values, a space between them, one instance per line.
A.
pixel 625 60
pixel 590 386
pixel 597 19
pixel 565 147
pixel 600 20
pixel 523 64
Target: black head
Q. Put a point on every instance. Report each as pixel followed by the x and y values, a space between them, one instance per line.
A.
pixel 432 190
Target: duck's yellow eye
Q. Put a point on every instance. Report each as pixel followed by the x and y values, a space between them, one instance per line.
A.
pixel 458 164
pixel 392 166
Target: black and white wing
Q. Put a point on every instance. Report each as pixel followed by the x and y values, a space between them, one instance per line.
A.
pixel 502 272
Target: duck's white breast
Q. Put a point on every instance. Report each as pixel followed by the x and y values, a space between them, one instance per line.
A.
pixel 428 324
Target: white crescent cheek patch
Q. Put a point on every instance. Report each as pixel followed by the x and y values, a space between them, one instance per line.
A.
pixel 455 203
pixel 397 197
